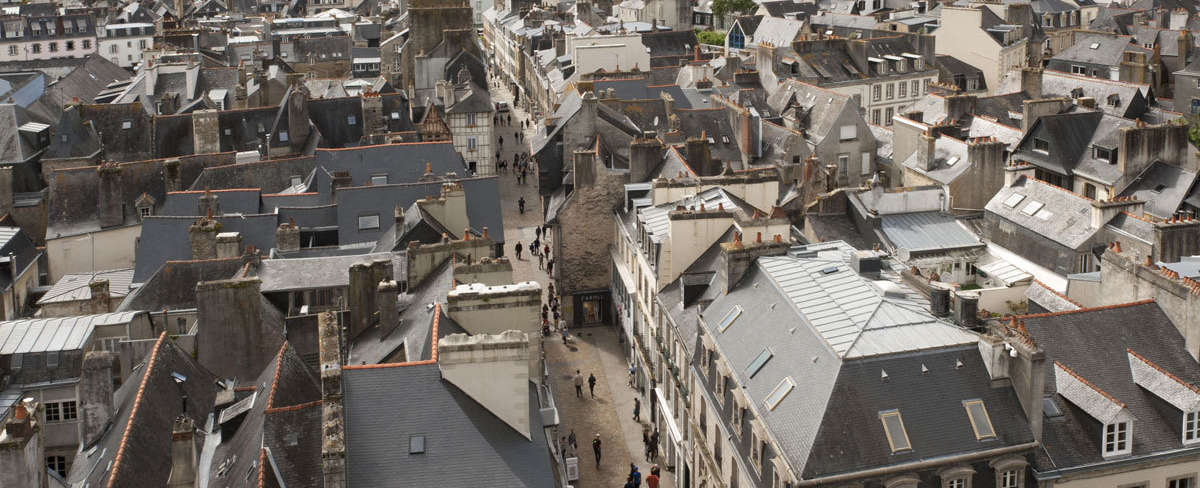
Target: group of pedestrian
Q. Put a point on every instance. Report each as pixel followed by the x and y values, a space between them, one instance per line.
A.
pixel 650 442
pixel 578 380
pixel 501 120
pixel 634 480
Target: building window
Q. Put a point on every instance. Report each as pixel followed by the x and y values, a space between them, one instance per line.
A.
pixel 981 423
pixel 36 48
pixel 916 88
pixel 61 411
pixel 1191 427
pixel 53 47
pixel 1009 479
pixel 843 165
pixel 848 132
pixel 368 222
pixel 1089 190
pixel 70 45
pixel 470 120
pixel 893 427
pixel 12 50
pixel 1078 70
pixel 471 142
pixel 112 48
pixel 876 89
pixel 1041 145
pixel 283 136
pixel 1116 438
pixel 87 44
pixel 903 89
pixel 350 120
pixel 875 116
pixel 887 117
pixel 866 164
pixel 111 344
pixel 1182 482
pixel 58 464
pixel 956 483
pixel 891 91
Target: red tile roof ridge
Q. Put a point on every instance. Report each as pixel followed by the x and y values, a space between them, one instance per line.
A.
pixel 262 463
pixel 275 377
pixel 137 403
pixel 1162 370
pixel 188 192
pixel 1082 310
pixel 1089 384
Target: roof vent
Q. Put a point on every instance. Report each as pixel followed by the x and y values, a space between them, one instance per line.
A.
pixel 958 364
pixel 924 369
pixel 883 375
pixel 830 270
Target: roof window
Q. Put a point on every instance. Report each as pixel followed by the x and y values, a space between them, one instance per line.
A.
pixel 1032 207
pixel 779 393
pixel 1013 200
pixel 980 421
pixel 416 444
pixel 893 427
pixel 729 317
pixel 1050 409
pixel 758 362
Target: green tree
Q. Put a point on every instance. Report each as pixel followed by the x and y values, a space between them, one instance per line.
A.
pixel 722 7
pixel 710 37
pixel 1193 130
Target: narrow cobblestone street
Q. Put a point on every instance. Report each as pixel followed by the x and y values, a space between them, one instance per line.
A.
pixel 593 351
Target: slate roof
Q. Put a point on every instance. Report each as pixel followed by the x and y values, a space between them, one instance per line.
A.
pixel 949 159
pixel 414 332
pixel 1094 343
pixel 1163 187
pixel 311 273
pixel 244 201
pixel 1131 97
pixel 642 89
pixel 1065 217
pixel 778 31
pixel 173 285
pixel 782 7
pixel 171 242
pixel 147 405
pixel 458 432
pixel 819 326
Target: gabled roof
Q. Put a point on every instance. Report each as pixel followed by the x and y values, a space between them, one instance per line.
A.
pixel 74 287
pixel 1062 217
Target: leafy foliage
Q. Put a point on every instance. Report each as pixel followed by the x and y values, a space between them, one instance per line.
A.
pixel 722 7
pixel 710 37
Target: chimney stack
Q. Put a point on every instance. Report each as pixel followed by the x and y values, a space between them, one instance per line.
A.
pixel 184 451
pixel 208 204
pixel 737 257
pixel 926 152
pixel 206 131
pixel 333 437
pixel 229 245
pixel 202 238
pixel 387 294
pixel 287 237
pixel 100 299
pixel 170 168
pixel 1031 82
pixel 234 340
pixel 111 204
pixel 644 155
pixel 363 292
pixel 492 370
pixel 96 393
pixel 699 156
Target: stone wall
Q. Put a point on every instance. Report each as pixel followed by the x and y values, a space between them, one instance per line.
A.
pixel 423 259
pixel 1124 279
pixel 486 271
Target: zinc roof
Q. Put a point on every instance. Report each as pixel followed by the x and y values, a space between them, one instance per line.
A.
pixel 54 334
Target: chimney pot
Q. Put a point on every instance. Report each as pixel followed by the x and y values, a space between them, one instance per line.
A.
pixel 758 238
pixel 485 236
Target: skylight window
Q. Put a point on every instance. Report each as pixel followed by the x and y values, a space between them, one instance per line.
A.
pixel 1032 207
pixel 416 444
pixel 1050 409
pixel 951 161
pixel 1095 45
pixel 1013 200
pixel 980 421
pixel 1044 214
pixel 729 317
pixel 779 393
pixel 759 362
pixel 893 427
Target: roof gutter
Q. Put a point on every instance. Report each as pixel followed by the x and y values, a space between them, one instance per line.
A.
pixel 917 465
pixel 1162 456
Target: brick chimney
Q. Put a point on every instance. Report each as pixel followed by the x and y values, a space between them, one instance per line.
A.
pixel 287 237
pixel 96 393
pixel 362 293
pixel 100 299
pixel 645 154
pixel 492 370
pixel 111 205
pixel 333 437
pixel 737 257
pixel 229 245
pixel 202 238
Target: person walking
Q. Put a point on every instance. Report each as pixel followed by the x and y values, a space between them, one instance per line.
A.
pixel 652 452
pixel 542 265
pixel 637 409
pixel 592 384
pixel 518 248
pixel 628 482
pixel 564 333
pixel 652 480
pixel 537 232
pixel 596 449
pixel 549 265
pixel 521 207
pixel 635 475
pixel 571 441
pixel 546 249
pixel 632 370
pixel 578 379
pixel 536 247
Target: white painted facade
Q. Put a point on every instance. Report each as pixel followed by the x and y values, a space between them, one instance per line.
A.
pixel 123 43
pixel 608 52
pixel 472 136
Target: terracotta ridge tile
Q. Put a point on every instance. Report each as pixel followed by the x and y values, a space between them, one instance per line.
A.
pixel 275 378
pixel 189 192
pixel 1060 295
pixel 1162 370
pixel 1082 310
pixel 292 408
pixel 437 314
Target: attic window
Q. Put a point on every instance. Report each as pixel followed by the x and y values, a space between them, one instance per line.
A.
pixel 379 179
pixel 980 421
pixel 1095 45
pixel 779 393
pixel 1041 145
pixel 951 161
pixel 296 180
pixel 1050 409
pixel 395 115
pixel 893 427
pixel 1159 188
pixel 730 316
pixel 1013 200
pixel 368 222
pixel 1032 207
pixel 228 132
pixel 126 124
pixel 1102 153
pixel 283 136
pixel 416 444
pixel 758 362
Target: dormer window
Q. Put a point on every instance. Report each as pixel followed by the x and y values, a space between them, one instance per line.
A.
pixel 1116 439
pixel 1041 145
pixel 1191 427
pixel 1102 153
